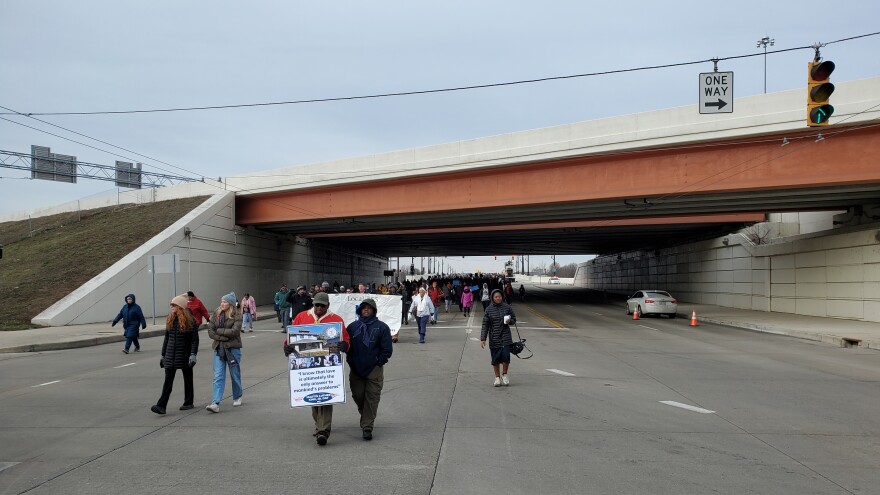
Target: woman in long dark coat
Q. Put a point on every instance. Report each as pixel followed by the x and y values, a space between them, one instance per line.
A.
pixel 179 351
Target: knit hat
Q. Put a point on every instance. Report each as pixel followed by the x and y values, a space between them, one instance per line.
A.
pixel 230 298
pixel 325 284
pixel 180 300
pixel 321 298
pixel 368 302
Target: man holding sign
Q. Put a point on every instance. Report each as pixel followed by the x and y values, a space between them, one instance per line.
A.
pixel 320 313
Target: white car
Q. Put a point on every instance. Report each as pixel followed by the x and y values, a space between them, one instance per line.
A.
pixel 554 281
pixel 657 302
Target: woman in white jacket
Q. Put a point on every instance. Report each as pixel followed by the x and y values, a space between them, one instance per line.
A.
pixel 422 308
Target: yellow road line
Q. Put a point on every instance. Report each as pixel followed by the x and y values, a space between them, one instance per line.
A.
pixel 551 321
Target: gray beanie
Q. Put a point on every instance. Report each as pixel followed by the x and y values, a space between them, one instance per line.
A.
pixel 230 298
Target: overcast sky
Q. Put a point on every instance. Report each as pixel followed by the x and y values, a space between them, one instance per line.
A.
pixel 61 56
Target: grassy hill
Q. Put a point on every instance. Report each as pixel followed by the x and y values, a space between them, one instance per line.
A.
pixel 46 258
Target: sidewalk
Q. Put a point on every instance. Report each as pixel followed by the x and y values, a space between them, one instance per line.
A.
pixel 839 332
pixel 73 336
pixel 843 333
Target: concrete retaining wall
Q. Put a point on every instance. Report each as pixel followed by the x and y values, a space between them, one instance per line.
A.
pixel 216 257
pixel 833 273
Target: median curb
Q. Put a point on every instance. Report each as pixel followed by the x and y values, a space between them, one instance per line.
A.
pixel 827 338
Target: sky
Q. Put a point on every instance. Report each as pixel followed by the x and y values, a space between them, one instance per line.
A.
pixel 61 56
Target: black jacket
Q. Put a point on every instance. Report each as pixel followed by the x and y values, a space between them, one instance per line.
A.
pixel 494 327
pixel 299 303
pixel 178 345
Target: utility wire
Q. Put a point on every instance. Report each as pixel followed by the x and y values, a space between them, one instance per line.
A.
pixel 447 90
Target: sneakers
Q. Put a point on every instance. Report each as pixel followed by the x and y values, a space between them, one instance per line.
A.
pixel 321 438
pixel 214 408
pixel 368 434
pixel 125 351
pixel 186 407
pixel 504 380
pixel 236 402
pixel 137 349
pixel 497 382
pixel 158 409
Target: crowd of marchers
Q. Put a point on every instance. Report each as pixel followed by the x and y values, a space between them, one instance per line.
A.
pixel 367 341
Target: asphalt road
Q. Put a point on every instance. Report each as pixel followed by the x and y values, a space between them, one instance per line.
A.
pixel 598 409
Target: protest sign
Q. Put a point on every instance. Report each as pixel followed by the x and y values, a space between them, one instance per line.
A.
pixel 317 376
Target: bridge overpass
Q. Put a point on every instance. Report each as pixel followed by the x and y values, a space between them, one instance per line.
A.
pixel 656 191
pixel 646 180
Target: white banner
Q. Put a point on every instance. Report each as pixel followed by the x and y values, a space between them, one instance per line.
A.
pixel 389 308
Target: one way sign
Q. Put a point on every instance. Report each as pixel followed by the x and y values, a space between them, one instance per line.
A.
pixel 716 92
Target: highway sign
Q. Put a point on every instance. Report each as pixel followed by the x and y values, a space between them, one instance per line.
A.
pixel 716 92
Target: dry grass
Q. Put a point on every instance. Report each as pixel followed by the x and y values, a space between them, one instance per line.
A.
pixel 47 258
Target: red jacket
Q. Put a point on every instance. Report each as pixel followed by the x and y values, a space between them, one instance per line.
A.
pixel 199 310
pixel 308 318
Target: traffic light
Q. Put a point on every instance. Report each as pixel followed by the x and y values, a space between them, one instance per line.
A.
pixel 819 89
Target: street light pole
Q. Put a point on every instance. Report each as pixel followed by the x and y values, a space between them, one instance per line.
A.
pixel 764 42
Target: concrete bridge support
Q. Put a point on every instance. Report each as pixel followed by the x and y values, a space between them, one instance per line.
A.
pixel 829 273
pixel 215 256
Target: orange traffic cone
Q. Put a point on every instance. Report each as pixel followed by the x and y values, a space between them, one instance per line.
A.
pixel 636 313
pixel 694 319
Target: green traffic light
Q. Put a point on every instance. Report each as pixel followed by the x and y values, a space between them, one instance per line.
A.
pixel 819 115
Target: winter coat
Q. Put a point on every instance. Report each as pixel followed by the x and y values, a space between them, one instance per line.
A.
pixel 429 306
pixel 467 299
pixel 199 311
pixel 177 346
pixel 248 305
pixel 132 318
pixel 363 357
pixel 298 303
pixel 281 299
pixel 494 327
pixel 229 332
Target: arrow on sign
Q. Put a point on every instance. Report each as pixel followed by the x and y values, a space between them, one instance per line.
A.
pixel 720 104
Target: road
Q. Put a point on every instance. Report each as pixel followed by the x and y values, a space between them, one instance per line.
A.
pixel 606 405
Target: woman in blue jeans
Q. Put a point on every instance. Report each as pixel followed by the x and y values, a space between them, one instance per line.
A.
pixel 224 329
pixel 422 308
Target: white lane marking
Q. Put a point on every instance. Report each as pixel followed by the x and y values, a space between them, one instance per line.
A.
pixel 649 328
pixel 44 384
pixel 685 406
pixel 475 339
pixel 598 314
pixel 560 372
pixel 124 365
pixel 252 336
